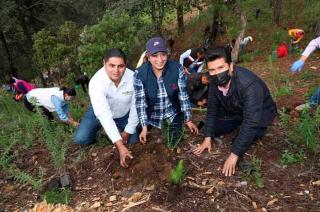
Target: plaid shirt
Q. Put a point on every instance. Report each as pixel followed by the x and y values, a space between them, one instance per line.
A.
pixel 163 108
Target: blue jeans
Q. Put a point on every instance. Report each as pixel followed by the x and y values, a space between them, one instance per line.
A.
pixel 315 98
pixel 89 126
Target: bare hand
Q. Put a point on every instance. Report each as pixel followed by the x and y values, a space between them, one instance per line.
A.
pixel 192 127
pixel 229 167
pixel 124 153
pixel 125 137
pixel 143 135
pixel 74 123
pixel 206 144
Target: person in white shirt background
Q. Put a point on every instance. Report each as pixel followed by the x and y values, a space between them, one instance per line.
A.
pixel 113 106
pixel 192 60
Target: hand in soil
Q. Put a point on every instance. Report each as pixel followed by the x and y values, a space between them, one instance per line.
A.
pixel 206 144
pixel 124 153
pixel 143 135
pixel 229 167
pixel 192 127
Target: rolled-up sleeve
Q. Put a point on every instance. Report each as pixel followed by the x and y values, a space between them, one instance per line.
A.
pixel 101 109
pixel 183 95
pixel 140 101
pixel 184 55
pixel 61 108
pixel 313 45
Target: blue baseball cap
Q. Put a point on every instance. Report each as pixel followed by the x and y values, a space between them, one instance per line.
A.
pixel 156 44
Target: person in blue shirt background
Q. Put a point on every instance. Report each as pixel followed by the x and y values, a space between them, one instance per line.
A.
pixel 52 100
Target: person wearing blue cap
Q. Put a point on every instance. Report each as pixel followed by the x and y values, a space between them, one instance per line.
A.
pixel 161 93
pixel 297 67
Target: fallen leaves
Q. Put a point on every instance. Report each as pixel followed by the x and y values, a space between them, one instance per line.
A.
pixel 316 183
pixel 271 202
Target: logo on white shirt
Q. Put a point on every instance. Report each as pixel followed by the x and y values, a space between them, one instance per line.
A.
pixel 127 93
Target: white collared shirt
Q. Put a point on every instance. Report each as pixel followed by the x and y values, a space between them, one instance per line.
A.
pixel 110 102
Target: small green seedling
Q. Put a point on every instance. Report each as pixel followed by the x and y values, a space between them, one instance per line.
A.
pixel 177 174
pixel 62 196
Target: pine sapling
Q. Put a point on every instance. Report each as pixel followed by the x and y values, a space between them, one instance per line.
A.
pixel 177 174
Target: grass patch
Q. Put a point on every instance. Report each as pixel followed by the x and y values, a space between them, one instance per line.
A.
pixel 288 158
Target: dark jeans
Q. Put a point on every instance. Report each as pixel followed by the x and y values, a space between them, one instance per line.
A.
pixel 224 126
pixel 90 125
pixel 31 108
pixel 315 98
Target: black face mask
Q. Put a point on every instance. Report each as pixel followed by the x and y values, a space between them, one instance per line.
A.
pixel 221 78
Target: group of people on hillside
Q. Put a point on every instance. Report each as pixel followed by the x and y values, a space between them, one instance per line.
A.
pixel 127 104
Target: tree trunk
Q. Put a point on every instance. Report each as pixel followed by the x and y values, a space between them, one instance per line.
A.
pixel 23 24
pixel 235 50
pixel 7 51
pixel 317 29
pixel 180 16
pixel 277 12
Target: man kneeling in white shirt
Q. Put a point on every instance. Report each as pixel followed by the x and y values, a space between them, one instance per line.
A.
pixel 113 106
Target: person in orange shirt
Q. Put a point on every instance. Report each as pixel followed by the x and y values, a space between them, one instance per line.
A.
pixel 296 36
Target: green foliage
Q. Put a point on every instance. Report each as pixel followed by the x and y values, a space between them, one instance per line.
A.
pixel 288 158
pixel 172 140
pixel 307 75
pixel 309 128
pixel 306 131
pixel 177 174
pixel 284 118
pixel 255 173
pixel 278 37
pixel 285 90
pixel 62 196
pixel 111 32
pixel 56 51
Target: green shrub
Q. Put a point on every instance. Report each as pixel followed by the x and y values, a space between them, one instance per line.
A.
pixel 112 31
pixel 255 172
pixel 62 196
pixel 288 158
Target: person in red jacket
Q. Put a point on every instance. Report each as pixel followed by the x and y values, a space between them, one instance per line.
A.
pixel 22 87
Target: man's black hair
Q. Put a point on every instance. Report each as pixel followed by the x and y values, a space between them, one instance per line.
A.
pixel 218 52
pixel 114 53
pixel 69 91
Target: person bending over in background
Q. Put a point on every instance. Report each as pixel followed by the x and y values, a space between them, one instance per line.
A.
pixel 297 67
pixel 22 87
pixel 246 100
pixel 52 100
pixel 113 106
pixel 192 60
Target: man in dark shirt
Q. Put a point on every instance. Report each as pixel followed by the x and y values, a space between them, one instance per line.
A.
pixel 243 96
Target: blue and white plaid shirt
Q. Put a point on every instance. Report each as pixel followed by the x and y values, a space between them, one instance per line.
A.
pixel 163 108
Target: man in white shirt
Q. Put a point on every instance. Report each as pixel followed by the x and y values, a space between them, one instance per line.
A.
pixel 113 106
